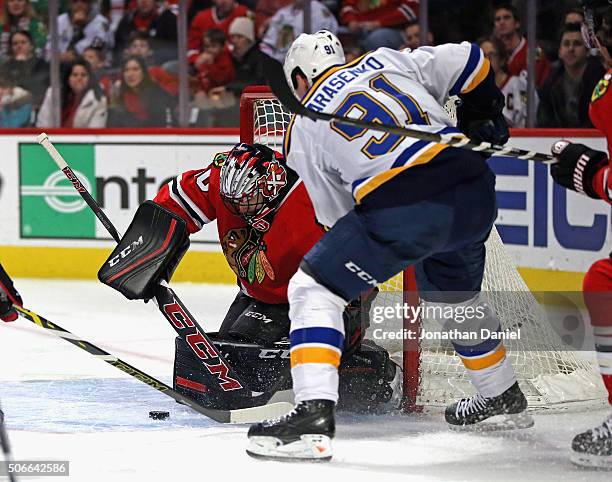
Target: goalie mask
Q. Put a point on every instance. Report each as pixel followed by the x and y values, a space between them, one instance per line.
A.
pixel 597 27
pixel 254 181
pixel 312 54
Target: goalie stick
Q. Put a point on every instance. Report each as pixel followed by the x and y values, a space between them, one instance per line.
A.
pixel 278 84
pixel 243 415
pixel 167 301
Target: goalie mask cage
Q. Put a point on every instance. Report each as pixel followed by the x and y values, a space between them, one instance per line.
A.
pixel 551 376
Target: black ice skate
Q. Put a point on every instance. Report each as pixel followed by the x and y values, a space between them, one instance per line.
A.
pixel 504 412
pixel 593 448
pixel 305 433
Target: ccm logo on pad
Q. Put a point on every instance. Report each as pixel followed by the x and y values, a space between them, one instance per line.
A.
pixel 125 252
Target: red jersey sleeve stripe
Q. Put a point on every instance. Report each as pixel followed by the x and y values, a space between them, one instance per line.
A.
pixel 179 196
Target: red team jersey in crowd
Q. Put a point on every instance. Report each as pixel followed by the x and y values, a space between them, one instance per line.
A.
pixel 388 13
pixel 600 112
pixel 264 260
pixel 517 62
pixel 207 20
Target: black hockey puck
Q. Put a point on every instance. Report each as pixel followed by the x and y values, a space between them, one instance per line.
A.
pixel 158 415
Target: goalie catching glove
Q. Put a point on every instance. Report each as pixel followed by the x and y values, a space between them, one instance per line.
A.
pixel 576 166
pixel 149 252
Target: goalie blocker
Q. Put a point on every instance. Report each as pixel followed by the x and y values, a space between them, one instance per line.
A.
pixel 149 252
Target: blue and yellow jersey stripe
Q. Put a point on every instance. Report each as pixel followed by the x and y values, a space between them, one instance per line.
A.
pixel 485 361
pixel 475 71
pixel 483 355
pixel 420 152
pixel 316 345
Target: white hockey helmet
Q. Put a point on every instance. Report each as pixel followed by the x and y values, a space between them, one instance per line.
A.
pixel 312 54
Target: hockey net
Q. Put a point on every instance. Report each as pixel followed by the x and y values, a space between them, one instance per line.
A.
pixel 551 376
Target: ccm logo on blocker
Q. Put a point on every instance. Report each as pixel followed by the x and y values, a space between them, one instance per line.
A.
pixel 124 253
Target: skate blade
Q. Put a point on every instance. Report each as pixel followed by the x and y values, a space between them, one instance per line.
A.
pixel 310 448
pixel 496 423
pixel 602 462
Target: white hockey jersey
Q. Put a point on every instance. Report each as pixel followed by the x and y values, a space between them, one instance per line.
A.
pixel 341 164
pixel 515 93
pixel 96 33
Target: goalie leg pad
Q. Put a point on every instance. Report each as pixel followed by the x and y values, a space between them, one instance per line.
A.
pixel 263 369
pixel 150 251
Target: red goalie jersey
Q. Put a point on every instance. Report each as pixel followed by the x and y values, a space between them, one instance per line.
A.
pixel 264 259
pixel 601 116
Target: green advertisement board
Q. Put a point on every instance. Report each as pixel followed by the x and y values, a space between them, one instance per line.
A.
pixel 50 206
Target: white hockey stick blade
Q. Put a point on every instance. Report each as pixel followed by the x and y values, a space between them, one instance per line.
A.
pixel 263 412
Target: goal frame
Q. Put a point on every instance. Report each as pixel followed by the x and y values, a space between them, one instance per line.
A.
pixel 411 349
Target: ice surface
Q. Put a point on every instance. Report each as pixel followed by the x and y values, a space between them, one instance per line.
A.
pixel 61 403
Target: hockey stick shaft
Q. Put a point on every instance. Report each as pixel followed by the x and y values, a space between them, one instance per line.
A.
pixel 280 88
pixel 246 415
pixel 169 304
pixel 6 447
pixel 44 141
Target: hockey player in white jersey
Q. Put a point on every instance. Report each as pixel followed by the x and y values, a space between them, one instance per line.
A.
pixel 391 202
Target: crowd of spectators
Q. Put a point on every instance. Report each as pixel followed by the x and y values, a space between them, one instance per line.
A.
pixel 120 67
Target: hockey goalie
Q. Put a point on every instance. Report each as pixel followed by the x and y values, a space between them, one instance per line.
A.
pixel 266 223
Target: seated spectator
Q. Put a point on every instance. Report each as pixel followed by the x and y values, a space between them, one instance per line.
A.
pixel 82 103
pixel 288 23
pixel 157 22
pixel 30 71
pixel 247 58
pixel 219 16
pixel 97 61
pixel 139 46
pixel 248 66
pixel 137 101
pixel 412 35
pixel 114 10
pixel 264 11
pixel 214 65
pixel 566 94
pixel 79 28
pixel 15 103
pixel 18 15
pixel 514 87
pixel 378 24
pixel 507 27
